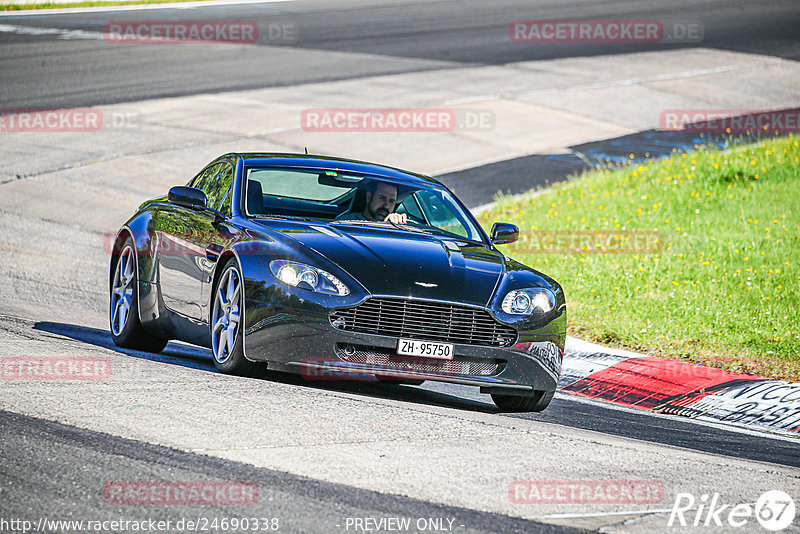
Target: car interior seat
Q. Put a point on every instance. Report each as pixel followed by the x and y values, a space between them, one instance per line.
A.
pixel 255 197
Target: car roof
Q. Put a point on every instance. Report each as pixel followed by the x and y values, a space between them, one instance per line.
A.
pixel 271 159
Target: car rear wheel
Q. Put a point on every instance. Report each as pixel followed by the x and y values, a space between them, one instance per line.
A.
pixel 524 403
pixel 123 313
pixel 227 334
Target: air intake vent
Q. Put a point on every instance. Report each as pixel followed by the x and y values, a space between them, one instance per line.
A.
pixel 434 321
pixel 381 359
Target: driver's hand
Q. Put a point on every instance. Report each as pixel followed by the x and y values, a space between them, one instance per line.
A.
pixel 397 218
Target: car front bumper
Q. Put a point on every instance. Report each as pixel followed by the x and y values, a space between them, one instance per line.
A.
pixel 296 335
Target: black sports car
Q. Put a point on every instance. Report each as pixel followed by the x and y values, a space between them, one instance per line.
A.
pixel 331 267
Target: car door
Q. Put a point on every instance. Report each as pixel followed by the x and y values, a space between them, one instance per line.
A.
pixel 181 252
pixel 216 234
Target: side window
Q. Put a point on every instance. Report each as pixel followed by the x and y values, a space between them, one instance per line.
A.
pixel 219 189
pixel 206 178
pixel 439 215
pixel 410 207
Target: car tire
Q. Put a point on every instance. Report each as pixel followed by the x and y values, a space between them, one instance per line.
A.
pixel 227 315
pixel 399 381
pixel 524 403
pixel 123 314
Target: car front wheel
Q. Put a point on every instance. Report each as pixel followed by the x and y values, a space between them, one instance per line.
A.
pixel 227 332
pixel 523 403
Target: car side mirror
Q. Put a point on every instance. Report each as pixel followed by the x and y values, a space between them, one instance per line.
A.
pixel 504 233
pixel 188 197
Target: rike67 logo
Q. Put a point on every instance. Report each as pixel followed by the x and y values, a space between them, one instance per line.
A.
pixel 774 510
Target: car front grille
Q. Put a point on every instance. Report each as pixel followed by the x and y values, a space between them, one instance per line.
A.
pixel 434 321
pixel 384 359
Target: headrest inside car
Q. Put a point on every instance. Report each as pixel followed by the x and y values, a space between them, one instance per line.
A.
pixel 255 198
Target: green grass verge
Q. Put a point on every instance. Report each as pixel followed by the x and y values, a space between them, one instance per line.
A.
pixel 720 286
pixel 94 3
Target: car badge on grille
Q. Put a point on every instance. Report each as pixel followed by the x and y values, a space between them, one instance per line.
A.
pixel 426 284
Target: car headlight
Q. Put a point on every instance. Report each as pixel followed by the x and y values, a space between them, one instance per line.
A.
pixel 307 277
pixel 528 301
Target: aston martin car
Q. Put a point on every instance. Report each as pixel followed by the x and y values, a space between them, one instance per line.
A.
pixel 329 268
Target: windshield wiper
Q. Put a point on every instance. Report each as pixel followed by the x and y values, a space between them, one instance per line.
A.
pixel 359 221
pixel 292 217
pixel 410 228
pixel 385 224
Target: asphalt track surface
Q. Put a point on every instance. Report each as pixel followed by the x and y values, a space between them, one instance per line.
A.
pixel 63 465
pixel 565 409
pixel 53 70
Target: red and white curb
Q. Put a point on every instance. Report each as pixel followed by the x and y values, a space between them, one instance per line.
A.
pixel 679 388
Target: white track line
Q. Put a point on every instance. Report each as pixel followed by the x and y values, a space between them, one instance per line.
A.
pixel 618 83
pixel 140 7
pixel 61 33
pixel 604 514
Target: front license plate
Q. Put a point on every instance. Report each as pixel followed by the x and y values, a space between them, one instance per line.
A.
pixel 425 349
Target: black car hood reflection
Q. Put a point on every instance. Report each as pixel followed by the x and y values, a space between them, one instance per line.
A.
pixel 389 261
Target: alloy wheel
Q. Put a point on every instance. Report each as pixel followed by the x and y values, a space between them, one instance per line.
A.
pixel 226 315
pixel 122 291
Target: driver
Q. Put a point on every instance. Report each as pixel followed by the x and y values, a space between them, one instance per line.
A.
pixel 381 198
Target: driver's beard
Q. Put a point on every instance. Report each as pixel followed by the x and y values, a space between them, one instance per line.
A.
pixel 375 214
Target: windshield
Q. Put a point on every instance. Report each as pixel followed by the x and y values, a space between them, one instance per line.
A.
pixel 340 198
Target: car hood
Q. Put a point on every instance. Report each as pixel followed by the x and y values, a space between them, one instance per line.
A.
pixel 388 261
